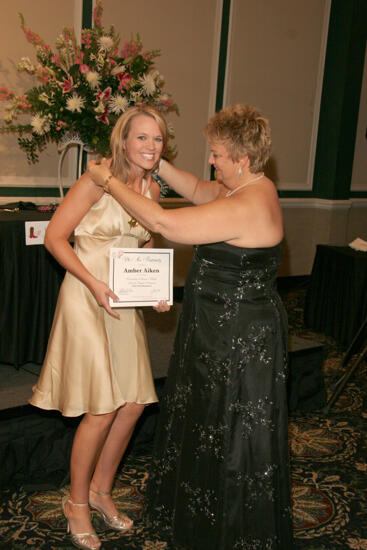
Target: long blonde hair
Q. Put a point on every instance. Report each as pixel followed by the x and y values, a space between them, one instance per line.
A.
pixel 120 165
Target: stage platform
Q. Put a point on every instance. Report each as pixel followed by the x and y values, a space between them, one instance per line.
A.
pixel 35 445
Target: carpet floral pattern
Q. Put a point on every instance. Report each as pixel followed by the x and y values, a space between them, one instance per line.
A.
pixel 329 476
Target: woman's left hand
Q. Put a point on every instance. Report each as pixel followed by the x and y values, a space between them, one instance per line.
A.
pixel 162 306
pixel 99 171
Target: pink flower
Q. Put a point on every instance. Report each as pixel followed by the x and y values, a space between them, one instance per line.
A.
pixel 43 74
pixel 97 14
pixel 103 117
pixel 55 59
pixel 86 39
pixel 167 102
pixel 5 93
pixel 60 124
pixel 84 68
pixel 78 57
pixel 104 95
pixel 125 80
pixel 23 105
pixel 68 85
pixel 131 49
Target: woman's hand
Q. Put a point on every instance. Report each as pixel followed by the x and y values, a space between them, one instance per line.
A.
pixel 162 306
pixel 99 171
pixel 102 293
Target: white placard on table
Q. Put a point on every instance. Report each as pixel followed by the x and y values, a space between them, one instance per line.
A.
pixel 35 232
pixel 141 276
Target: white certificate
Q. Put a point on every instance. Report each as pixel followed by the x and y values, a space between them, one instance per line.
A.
pixel 141 276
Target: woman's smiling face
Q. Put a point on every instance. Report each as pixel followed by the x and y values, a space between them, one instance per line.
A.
pixel 226 169
pixel 144 143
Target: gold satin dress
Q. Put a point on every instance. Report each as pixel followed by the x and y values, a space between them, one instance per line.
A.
pixel 94 362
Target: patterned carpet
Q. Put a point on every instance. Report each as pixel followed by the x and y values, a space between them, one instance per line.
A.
pixel 329 476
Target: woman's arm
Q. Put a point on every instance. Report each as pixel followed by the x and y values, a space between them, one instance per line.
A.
pixel 187 185
pixel 251 221
pixel 155 192
pixel 77 202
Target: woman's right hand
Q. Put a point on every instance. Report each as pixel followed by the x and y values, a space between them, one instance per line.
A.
pixel 99 171
pixel 102 293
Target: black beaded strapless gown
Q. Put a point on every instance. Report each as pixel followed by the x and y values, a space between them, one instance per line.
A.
pixel 220 471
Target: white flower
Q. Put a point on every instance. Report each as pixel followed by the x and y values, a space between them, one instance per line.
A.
pixel 158 77
pixel 60 41
pixel 93 79
pixel 135 96
pixel 40 125
pixel 118 104
pixel 75 103
pixel 26 65
pixel 118 70
pixel 100 108
pixel 105 43
pixel 100 60
pixel 147 81
pixel 170 130
pixel 44 97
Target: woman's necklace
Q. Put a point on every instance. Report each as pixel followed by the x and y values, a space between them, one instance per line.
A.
pixel 229 193
pixel 133 222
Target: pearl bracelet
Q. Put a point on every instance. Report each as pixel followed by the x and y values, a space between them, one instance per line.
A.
pixel 106 186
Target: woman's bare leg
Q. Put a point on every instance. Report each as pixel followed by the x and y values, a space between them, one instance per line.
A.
pixel 111 454
pixel 88 442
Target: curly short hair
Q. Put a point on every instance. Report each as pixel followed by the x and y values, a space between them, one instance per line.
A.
pixel 120 166
pixel 243 131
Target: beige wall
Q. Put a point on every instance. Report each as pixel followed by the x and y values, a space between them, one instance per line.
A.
pixel 184 32
pixel 309 222
pixel 359 176
pixel 276 56
pixel 48 23
pixel 277 52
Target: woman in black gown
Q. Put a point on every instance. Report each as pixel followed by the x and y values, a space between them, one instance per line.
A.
pixel 220 472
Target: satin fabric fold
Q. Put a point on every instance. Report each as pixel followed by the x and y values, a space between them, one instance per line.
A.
pixel 94 362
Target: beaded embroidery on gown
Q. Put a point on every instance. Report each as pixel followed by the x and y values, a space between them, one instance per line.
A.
pixel 220 471
pixel 94 362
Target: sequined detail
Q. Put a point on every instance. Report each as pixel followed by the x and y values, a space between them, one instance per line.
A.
pixel 249 543
pixel 219 371
pixel 200 501
pixel 257 346
pixel 177 402
pixel 254 414
pixel 220 476
pixel 260 485
pixel 211 440
pixel 197 281
pixel 166 463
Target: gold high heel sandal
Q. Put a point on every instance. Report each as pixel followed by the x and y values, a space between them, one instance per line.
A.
pixel 79 540
pixel 119 522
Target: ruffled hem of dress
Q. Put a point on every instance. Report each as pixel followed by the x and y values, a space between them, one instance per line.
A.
pixel 46 404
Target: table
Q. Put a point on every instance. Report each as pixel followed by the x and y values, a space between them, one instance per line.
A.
pixel 336 301
pixel 30 279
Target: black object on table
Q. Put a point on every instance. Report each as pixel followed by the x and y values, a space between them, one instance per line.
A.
pixel 30 279
pixel 336 301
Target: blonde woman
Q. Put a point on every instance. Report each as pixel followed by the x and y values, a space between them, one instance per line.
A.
pixel 97 362
pixel 220 472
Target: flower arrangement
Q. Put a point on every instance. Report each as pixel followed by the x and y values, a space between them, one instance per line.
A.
pixel 83 88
